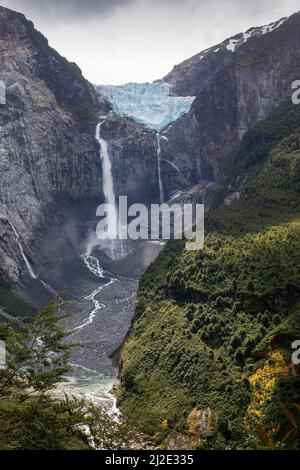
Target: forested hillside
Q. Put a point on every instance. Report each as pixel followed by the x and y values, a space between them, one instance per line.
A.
pixel 208 362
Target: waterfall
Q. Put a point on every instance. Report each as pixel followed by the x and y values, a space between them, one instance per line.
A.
pixel 28 265
pixel 116 246
pixel 108 184
pixel 161 187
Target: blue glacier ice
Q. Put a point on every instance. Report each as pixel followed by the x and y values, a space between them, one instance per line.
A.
pixel 150 104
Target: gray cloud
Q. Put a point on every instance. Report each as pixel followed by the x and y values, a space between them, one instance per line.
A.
pixel 117 41
pixel 62 9
pixel 74 9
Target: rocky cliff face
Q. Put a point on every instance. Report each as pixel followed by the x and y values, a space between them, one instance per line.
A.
pixel 236 83
pixel 133 152
pixel 50 169
pixel 46 127
pixel 49 159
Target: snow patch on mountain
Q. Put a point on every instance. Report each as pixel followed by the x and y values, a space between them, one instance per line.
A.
pixel 233 43
pixel 150 104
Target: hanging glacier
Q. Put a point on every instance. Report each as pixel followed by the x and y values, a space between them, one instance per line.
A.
pixel 150 104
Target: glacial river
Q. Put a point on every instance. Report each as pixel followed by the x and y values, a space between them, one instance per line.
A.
pixel 102 312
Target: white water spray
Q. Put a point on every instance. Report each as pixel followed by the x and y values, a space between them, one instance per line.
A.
pixel 93 265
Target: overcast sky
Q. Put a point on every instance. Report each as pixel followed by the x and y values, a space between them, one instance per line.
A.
pixel 118 41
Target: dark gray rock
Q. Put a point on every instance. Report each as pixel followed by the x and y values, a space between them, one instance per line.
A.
pixel 234 90
pixel 50 170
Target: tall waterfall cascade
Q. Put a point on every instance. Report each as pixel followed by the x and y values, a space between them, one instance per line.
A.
pixel 113 246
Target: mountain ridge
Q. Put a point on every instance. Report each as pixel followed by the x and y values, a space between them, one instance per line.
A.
pixel 234 307
pixel 233 92
pixel 50 164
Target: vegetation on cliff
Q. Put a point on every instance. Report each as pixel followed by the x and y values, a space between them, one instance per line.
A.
pixel 32 414
pixel 211 341
pixel 12 303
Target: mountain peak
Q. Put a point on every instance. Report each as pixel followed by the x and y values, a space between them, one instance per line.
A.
pixel 190 76
pixel 15 25
pixel 28 54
